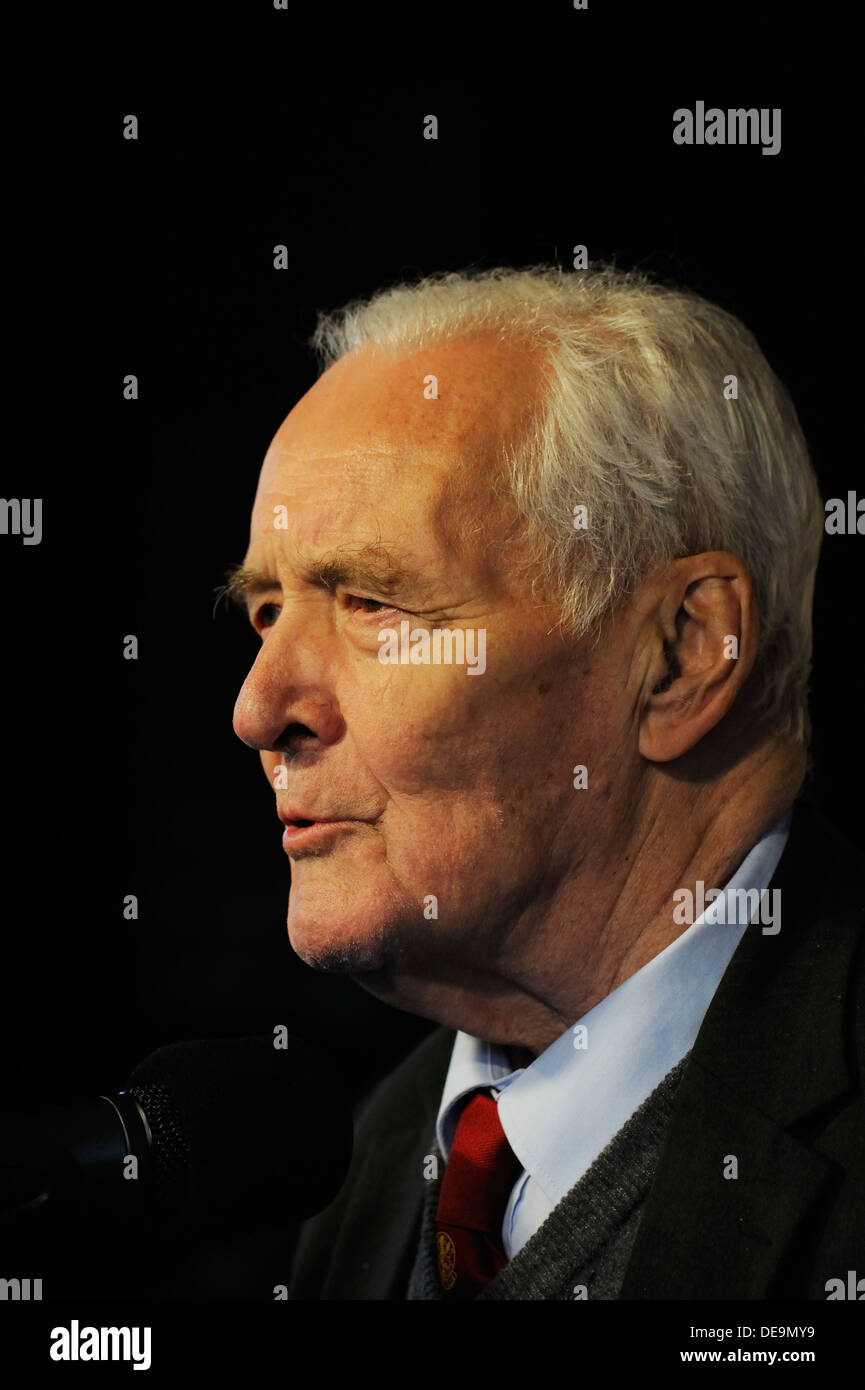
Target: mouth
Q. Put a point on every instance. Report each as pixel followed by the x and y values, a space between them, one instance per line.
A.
pixel 304 833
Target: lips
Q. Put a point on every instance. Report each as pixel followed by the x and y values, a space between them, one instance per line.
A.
pixel 313 835
pixel 303 819
pixel 306 827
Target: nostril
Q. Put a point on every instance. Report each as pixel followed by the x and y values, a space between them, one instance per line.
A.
pixel 292 739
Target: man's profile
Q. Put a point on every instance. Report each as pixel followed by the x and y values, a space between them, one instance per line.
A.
pixel 587 855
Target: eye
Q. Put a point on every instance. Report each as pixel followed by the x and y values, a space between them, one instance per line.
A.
pixel 368 605
pixel 265 616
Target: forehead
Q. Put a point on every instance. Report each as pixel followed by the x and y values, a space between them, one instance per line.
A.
pixel 377 443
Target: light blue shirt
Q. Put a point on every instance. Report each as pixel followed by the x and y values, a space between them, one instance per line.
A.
pixel 560 1112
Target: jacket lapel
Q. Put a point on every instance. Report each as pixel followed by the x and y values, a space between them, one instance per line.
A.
pixel 704 1235
pixel 372 1230
pixel 768 1067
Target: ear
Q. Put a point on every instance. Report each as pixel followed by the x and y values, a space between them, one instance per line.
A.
pixel 703 635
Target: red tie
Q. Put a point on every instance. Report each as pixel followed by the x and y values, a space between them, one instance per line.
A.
pixel 481 1171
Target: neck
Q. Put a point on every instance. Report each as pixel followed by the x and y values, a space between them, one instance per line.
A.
pixel 681 833
pixel 595 929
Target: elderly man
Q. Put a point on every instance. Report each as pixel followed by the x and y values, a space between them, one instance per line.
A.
pixel 586 856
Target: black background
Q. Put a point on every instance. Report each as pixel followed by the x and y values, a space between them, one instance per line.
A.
pixel 155 257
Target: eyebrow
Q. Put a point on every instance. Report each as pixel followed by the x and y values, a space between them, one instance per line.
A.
pixel 369 567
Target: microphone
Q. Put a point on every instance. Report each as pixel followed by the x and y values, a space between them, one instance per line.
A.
pixel 226 1133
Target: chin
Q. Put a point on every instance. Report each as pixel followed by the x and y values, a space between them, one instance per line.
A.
pixel 352 919
pixel 336 957
pixel 335 941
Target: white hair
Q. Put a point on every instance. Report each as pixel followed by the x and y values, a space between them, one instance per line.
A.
pixel 635 424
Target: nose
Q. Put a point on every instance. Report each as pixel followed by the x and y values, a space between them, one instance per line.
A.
pixel 286 696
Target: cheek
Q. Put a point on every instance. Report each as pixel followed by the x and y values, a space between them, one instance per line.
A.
pixel 429 729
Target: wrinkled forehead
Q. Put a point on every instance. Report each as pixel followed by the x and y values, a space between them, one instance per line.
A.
pixel 410 442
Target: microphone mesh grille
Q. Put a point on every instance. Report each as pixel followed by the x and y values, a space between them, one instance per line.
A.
pixel 170 1145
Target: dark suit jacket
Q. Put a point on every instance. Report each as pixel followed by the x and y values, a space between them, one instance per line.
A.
pixel 775 1077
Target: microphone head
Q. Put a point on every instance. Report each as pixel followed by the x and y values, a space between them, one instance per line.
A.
pixel 244 1133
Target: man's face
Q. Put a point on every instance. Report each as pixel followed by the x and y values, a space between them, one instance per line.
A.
pixel 450 795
